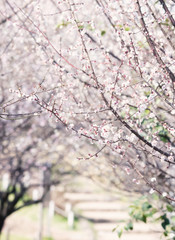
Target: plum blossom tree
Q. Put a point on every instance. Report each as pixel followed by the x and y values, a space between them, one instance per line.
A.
pixel 105 70
pixel 31 162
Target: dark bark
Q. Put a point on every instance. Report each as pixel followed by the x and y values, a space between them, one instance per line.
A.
pixel 2 221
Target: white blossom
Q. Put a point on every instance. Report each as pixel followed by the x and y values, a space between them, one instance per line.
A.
pixel 151 191
pixel 164 194
pixel 153 179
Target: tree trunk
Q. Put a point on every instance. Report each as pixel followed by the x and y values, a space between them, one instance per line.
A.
pixel 2 221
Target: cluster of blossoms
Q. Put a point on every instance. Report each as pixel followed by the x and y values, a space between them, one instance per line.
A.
pixel 106 72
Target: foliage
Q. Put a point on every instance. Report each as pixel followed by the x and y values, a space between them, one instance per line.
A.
pixel 151 210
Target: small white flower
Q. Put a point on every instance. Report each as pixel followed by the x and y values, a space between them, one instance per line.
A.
pixel 153 179
pixel 171 158
pixel 171 235
pixel 154 143
pixel 163 158
pixel 152 115
pixel 127 170
pixel 164 194
pixel 151 191
pixel 137 182
pixel 173 112
pixel 30 98
pixel 71 126
pixel 142 107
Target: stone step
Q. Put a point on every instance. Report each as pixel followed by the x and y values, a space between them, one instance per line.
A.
pixel 79 197
pixel 138 227
pixel 106 215
pixel 102 205
pixel 128 236
pixel 72 235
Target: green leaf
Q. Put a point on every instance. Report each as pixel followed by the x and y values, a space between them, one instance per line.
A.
pixel 63 24
pixel 163 136
pixel 167 20
pixel 165 221
pixel 81 27
pixel 129 226
pixel 147 121
pixel 165 233
pixel 165 24
pixel 153 211
pixel 127 28
pixel 173 228
pixel 145 113
pixel 155 196
pixel 114 229
pixel 138 216
pixel 103 33
pixel 144 218
pixel 173 219
pixel 120 26
pixel 132 109
pixel 90 27
pixel 146 206
pixel 169 208
pixel 140 44
pixel 120 233
pixel 147 94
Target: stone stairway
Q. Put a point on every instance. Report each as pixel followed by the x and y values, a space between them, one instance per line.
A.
pixel 105 212
pixel 99 213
